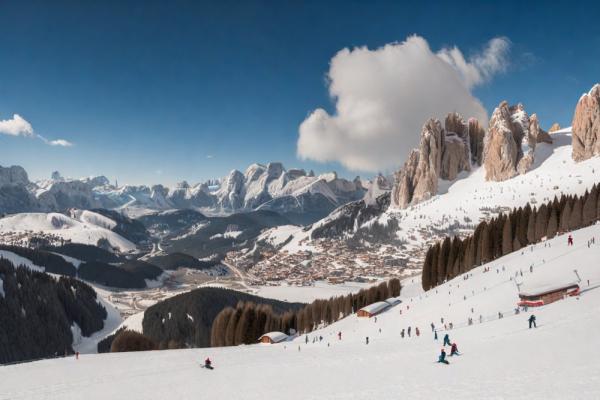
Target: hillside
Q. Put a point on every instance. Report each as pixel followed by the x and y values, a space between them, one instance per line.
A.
pixel 456 209
pixel 553 361
pixel 84 227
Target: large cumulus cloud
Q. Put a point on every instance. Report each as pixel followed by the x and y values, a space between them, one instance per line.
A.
pixel 384 96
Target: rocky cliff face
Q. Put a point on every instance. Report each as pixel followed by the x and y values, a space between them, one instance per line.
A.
pixel 503 149
pixel 586 126
pixel 443 153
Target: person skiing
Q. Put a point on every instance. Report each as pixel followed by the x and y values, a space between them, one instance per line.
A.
pixel 447 340
pixel 435 335
pixel 442 358
pixel 306 339
pixel 432 327
pixel 340 335
pixel 417 332
pixel 454 350
pixel 367 340
pixel 402 333
pixel 532 321
pixel 408 331
pixel 570 241
pixel 208 363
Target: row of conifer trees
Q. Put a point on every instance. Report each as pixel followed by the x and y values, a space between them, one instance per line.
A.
pixel 245 323
pixel 507 233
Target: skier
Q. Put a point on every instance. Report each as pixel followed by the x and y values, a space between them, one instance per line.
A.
pixel 442 358
pixel 340 335
pixel 77 355
pixel 454 350
pixel 570 241
pixel 408 331
pixel 208 363
pixel 432 327
pixel 532 321
pixel 402 333
pixel 306 341
pixel 447 340
pixel 417 331
pixel 435 335
pixel 367 340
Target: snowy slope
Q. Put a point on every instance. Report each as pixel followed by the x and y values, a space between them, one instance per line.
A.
pixel 88 230
pixel 462 203
pixel 502 358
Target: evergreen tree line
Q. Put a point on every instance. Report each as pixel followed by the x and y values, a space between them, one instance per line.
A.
pixel 507 233
pixel 37 312
pixel 245 323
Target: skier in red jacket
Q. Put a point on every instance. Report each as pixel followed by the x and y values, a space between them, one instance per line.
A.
pixel 208 363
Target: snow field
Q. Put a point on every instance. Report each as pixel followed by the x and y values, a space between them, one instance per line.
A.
pixel 501 358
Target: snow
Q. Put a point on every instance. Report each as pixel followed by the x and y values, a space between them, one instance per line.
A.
pixel 307 294
pixel 19 261
pixel 462 203
pixel 79 231
pixel 76 263
pixel 501 358
pixel 133 322
pixel 86 345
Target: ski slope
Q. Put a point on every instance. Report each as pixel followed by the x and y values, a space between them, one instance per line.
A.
pixel 87 227
pixel 502 358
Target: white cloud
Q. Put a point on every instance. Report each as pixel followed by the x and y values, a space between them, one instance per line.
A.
pixel 59 142
pixel 384 96
pixel 19 126
pixel 16 126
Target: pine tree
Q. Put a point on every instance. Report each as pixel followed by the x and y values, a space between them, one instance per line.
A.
pixel 576 214
pixel 531 226
pixel 523 225
pixel 565 216
pixel 485 243
pixel 507 240
pixel 219 327
pixel 541 222
pixel 231 326
pixel 590 207
pixel 434 262
pixel 552 223
pixel 443 260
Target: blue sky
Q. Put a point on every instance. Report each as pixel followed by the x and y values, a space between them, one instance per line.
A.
pixel 165 91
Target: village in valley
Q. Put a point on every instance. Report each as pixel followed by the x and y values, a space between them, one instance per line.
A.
pixel 326 260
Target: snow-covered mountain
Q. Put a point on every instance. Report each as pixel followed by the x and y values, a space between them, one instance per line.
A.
pixel 459 204
pixel 551 361
pixel 82 226
pixel 301 196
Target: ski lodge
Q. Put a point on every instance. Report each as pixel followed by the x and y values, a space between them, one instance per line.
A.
pixel 273 337
pixel 376 308
pixel 547 294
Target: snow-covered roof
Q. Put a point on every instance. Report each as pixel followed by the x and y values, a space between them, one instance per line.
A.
pixel 539 290
pixel 392 301
pixel 376 307
pixel 275 336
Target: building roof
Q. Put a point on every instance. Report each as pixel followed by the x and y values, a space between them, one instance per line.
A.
pixel 392 301
pixel 375 307
pixel 540 290
pixel 275 336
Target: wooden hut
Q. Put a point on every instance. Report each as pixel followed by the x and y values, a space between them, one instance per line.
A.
pixel 373 309
pixel 273 337
pixel 547 294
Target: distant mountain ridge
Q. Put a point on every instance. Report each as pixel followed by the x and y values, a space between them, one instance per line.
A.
pixel 301 196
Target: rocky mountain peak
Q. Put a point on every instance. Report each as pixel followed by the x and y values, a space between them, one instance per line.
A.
pixel 586 125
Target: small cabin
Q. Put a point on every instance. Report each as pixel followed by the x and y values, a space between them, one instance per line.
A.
pixel 547 294
pixel 373 309
pixel 273 337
